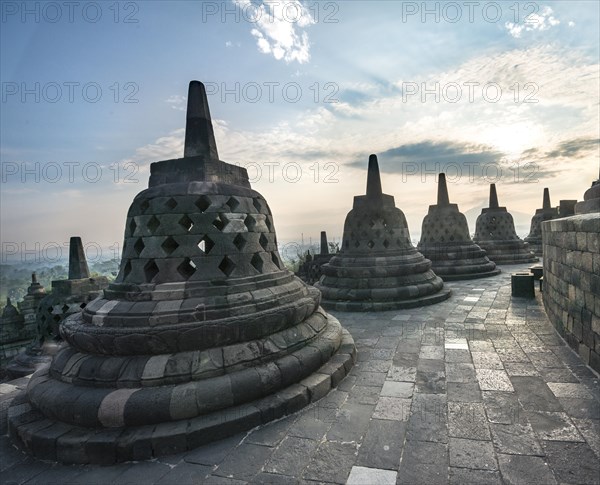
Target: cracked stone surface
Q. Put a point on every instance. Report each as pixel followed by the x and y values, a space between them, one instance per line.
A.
pixel 477 389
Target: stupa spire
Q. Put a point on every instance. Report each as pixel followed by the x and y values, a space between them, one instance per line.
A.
pixel 324 245
pixel 546 204
pixel 442 195
pixel 493 197
pixel 199 134
pixel 373 178
pixel 78 267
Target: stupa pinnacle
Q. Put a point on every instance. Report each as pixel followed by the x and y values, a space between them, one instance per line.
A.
pixel 546 213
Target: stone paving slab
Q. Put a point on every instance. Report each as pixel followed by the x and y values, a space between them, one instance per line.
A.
pixel 477 389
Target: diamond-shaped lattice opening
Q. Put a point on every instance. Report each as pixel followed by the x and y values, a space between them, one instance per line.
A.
pixel 144 206
pixel 371 223
pixel 263 241
pixel 347 244
pixel 257 262
pixel 239 242
pixel 186 223
pixel 203 203
pixel 370 244
pixel 232 203
pixel 187 268
pixel 275 260
pixel 82 306
pixel 171 203
pixel 150 270
pixel 127 269
pixel 169 245
pixel 269 224
pixel 132 226
pixel 65 308
pixel 250 223
pixel 153 224
pixel 356 244
pixel 206 244
pixel 386 244
pixel 56 318
pixel 139 246
pixel 256 203
pixel 220 222
pixel 227 266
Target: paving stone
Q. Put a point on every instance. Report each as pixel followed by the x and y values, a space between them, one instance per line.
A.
pixel 520 369
pixel 24 471
pixel 519 469
pixel 375 366
pixel 460 372
pixel 570 390
pixel 572 462
pixel 291 456
pixel 553 426
pixel 361 475
pixel 213 453
pixel 581 408
pixel 515 439
pixel 590 429
pixel 402 374
pixel 351 422
pixel 472 454
pixel 464 392
pixel 425 452
pixel 144 472
pixel 382 445
pixel 332 462
pixel 185 473
pixel 458 356
pixel 432 352
pixel 218 480
pixel 364 395
pixel 272 479
pixel 392 408
pixel 559 374
pixel 468 420
pixel 270 434
pixel 244 462
pixel 431 382
pixel 463 476
pixel 493 380
pixel 414 473
pixel 512 355
pixel 397 389
pixel 10 454
pixel 486 360
pixel 428 419
pixel 370 379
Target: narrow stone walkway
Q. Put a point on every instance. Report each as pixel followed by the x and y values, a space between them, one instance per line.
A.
pixel 477 389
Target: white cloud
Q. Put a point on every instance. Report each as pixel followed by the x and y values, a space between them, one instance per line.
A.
pixel 278 28
pixel 534 21
pixel 177 102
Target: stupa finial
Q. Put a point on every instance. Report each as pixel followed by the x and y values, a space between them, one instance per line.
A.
pixel 373 178
pixel 546 199
pixel 34 278
pixel 324 245
pixel 78 267
pixel 442 195
pixel 199 134
pixel 493 197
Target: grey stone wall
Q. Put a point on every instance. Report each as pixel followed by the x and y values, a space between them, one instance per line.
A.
pixel 572 282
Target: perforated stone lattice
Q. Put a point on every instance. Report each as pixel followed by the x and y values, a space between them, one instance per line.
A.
pixel 380 233
pixel 495 226
pixel 191 237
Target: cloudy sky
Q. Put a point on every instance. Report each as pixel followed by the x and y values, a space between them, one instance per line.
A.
pixel 301 93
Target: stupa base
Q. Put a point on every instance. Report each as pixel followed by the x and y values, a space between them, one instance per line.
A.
pixel 53 440
pixel 374 306
pixel 467 276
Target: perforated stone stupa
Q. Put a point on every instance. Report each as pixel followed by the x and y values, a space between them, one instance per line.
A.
pixel 445 240
pixel 495 233
pixel 546 213
pixel 377 267
pixel 203 334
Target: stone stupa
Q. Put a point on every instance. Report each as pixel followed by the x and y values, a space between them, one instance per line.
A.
pixel 546 213
pixel 591 200
pixel 203 334
pixel 445 240
pixel 313 265
pixel 495 233
pixel 377 267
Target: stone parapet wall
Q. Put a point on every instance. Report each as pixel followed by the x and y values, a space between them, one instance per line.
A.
pixel 572 282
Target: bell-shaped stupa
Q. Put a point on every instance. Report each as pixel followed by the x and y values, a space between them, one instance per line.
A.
pixel 495 233
pixel 203 334
pixel 377 267
pixel 446 241
pixel 546 213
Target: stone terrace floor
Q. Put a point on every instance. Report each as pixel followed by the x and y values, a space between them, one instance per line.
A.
pixel 477 389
